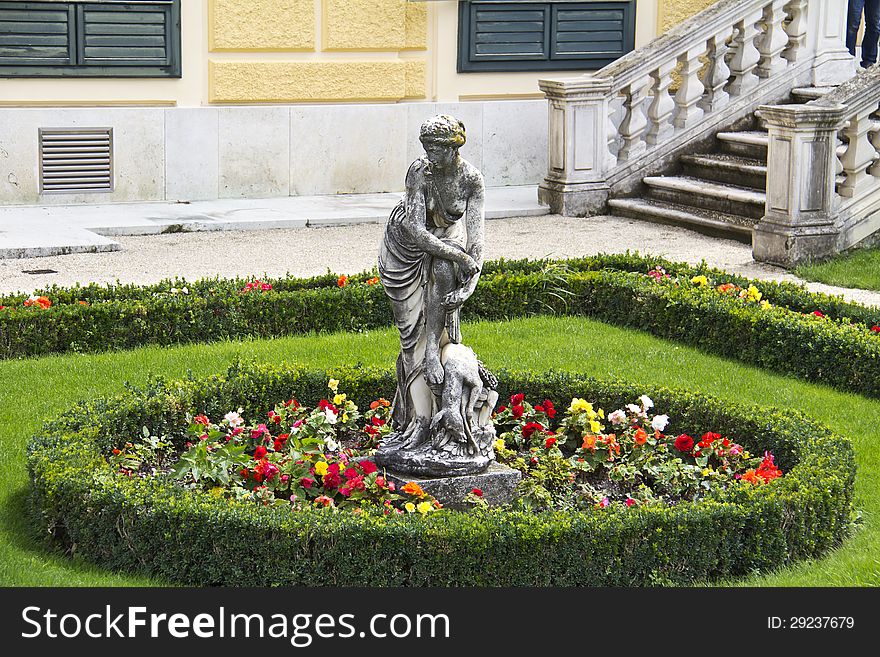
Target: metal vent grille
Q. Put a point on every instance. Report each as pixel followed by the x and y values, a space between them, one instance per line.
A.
pixel 76 161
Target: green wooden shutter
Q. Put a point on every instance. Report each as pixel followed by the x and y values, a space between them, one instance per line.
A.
pixel 125 35
pixel 36 34
pixel 599 31
pixel 501 32
pixel 113 38
pixel 519 35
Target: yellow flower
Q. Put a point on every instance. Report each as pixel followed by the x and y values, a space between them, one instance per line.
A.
pixel 338 400
pixel 410 507
pixel 580 405
pixel 333 384
pixel 498 444
pixel 321 468
pixel 217 491
pixel 705 472
pixel 746 455
pixel 752 294
pixel 595 427
pixel 424 507
pixel 700 280
pixel 601 414
pixel 765 305
pixel 344 417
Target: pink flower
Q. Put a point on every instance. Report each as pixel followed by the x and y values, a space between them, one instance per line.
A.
pixel 368 467
pixel 605 502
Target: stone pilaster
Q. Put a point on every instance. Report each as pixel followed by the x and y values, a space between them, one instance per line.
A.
pixel 801 217
pixel 579 156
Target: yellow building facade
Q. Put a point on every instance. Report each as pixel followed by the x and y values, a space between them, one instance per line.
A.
pixel 272 98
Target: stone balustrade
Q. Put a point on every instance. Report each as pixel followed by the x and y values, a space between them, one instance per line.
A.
pixel 823 174
pixel 609 129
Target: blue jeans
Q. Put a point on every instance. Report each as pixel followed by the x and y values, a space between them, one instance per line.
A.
pixel 872 29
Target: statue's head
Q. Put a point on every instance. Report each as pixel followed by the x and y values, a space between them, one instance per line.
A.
pixel 442 136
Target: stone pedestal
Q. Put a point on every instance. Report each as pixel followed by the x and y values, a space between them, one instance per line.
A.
pixel 498 484
pixel 800 221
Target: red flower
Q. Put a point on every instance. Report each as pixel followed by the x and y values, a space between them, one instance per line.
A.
pixel 350 473
pixel 259 453
pixel 305 482
pixel 630 501
pixel 517 411
pixel 549 443
pixel 377 421
pixel 818 313
pixel 244 473
pixel 684 443
pixel 324 405
pixel 477 492
pixel 517 399
pixel 875 328
pixel 531 428
pixel 549 409
pixel 202 419
pixel 502 408
pixel 368 467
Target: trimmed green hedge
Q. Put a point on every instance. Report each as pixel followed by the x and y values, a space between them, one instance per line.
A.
pixel 151 526
pixel 840 351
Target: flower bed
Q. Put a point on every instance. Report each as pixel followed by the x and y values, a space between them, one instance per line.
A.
pixel 154 525
pixel 772 325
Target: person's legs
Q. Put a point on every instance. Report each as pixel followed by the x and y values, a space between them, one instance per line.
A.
pixel 853 20
pixel 872 32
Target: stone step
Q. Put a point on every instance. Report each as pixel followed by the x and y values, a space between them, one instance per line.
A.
pixel 751 144
pixel 722 167
pixel 714 224
pixel 709 195
pixel 806 94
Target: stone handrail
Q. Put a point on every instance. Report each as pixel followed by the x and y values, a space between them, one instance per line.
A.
pixel 611 128
pixel 823 191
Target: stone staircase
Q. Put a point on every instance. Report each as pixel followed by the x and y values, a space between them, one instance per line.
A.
pixel 721 193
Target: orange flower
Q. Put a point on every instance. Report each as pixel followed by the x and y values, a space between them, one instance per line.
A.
pixel 342 281
pixel 412 488
pixel 589 442
pixel 641 437
pixel 84 303
pixel 42 302
pixel 373 281
pixel 374 405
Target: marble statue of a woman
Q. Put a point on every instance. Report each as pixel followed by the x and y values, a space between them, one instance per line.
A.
pixel 429 264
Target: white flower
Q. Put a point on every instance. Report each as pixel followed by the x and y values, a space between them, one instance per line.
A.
pixel 617 417
pixel 185 290
pixel 331 444
pixel 330 415
pixel 646 402
pixel 659 422
pixel 636 410
pixel 234 419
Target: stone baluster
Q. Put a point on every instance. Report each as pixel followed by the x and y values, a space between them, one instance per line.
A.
pixel 774 41
pixel 826 39
pixel 746 55
pixel 690 91
pixel 874 136
pixel 717 73
pixel 859 156
pixel 662 106
pixel 576 183
pixel 796 31
pixel 635 121
pixel 802 211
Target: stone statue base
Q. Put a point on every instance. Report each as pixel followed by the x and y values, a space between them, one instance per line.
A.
pixel 498 485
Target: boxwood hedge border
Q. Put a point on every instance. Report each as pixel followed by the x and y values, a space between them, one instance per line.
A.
pixel 839 350
pixel 153 527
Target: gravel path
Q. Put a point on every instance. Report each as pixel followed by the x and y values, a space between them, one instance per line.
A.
pixel 352 249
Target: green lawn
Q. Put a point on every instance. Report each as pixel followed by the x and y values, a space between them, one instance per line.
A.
pixel 33 390
pixel 859 269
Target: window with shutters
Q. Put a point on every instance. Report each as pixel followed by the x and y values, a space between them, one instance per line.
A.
pixel 543 36
pixel 90 39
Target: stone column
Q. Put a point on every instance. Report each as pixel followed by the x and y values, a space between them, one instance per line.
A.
pixel 833 64
pixel 800 219
pixel 579 156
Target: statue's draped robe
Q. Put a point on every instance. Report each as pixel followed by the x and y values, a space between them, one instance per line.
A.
pixel 406 271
